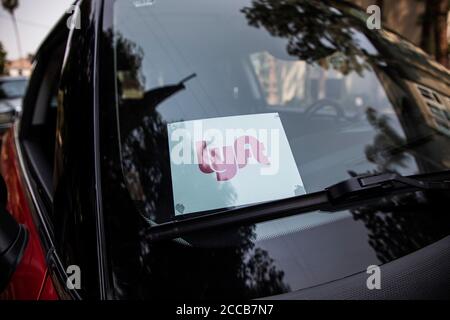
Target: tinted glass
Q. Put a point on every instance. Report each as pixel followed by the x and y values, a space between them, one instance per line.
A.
pixel 347 104
pixel 334 100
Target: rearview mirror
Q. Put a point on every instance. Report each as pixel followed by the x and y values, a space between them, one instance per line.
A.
pixel 13 240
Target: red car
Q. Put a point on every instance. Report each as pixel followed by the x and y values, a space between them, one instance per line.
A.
pixel 96 204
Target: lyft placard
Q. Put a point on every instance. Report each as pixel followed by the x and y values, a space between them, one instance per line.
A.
pixel 231 161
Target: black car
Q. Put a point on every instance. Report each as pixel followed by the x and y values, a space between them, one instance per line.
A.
pixel 366 116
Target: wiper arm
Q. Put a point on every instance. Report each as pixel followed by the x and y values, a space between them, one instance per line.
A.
pixel 349 193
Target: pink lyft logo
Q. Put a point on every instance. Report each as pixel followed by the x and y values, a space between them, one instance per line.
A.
pixel 234 157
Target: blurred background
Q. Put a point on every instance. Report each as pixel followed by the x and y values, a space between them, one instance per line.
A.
pixel 23 26
pixel 25 23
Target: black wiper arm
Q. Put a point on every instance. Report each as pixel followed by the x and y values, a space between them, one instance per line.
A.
pixel 349 193
pixel 365 187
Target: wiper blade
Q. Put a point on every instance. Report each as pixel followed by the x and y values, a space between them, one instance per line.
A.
pixel 349 193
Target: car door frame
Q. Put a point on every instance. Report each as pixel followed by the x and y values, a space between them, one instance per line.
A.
pixel 40 201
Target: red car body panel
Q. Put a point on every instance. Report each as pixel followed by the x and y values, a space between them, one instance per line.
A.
pixel 30 280
pixel 48 291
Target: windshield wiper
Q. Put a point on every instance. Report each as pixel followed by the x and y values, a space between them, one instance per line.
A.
pixel 360 190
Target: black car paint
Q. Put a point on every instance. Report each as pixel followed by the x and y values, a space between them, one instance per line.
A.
pixel 77 229
pixel 89 191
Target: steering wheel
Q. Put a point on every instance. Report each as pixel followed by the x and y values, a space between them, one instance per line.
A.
pixel 323 103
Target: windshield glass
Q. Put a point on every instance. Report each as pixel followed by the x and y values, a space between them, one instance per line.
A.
pixel 338 108
pixel 12 89
pixel 310 97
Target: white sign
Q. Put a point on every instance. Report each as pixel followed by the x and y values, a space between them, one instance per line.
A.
pixel 231 161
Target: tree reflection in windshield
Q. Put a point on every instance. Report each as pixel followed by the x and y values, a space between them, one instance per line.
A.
pixel 400 224
pixel 314 30
pixel 385 149
pixel 228 262
pixel 198 265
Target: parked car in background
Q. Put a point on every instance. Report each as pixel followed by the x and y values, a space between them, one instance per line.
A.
pixel 12 90
pixel 90 175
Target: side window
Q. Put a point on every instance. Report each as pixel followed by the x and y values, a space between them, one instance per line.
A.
pixel 39 120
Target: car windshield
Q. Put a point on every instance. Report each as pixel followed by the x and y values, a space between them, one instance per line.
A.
pixel 327 94
pixel 11 89
pixel 222 104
